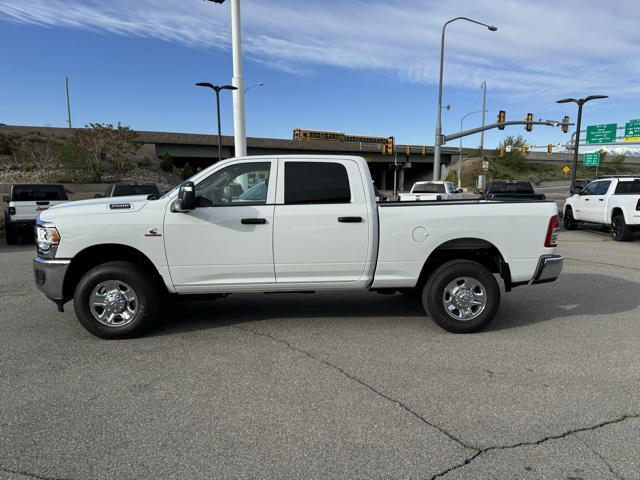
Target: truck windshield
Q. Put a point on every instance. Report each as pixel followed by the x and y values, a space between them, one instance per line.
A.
pixel 36 193
pixel 429 188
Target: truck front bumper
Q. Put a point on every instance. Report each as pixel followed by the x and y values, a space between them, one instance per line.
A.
pixel 49 277
pixel 549 268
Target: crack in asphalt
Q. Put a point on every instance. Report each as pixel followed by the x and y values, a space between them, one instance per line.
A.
pixel 622 418
pixel 361 382
pixel 595 452
pixel 477 451
pixel 26 474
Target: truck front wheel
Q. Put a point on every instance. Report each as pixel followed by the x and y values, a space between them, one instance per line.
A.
pixel 116 300
pixel 461 296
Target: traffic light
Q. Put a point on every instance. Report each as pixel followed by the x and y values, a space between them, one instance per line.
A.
pixel 523 149
pixel 550 148
pixel 528 127
pixel 565 124
pixel 501 151
pixel 387 148
pixel 502 117
pixel 408 150
pixel 424 150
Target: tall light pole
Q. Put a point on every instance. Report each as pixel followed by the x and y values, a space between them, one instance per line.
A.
pixel 239 126
pixel 217 89
pixel 460 153
pixel 66 83
pixel 484 110
pixel 438 141
pixel 580 102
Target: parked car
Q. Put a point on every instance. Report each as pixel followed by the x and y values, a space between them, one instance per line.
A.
pixel 613 201
pixel 318 228
pixel 26 201
pixel 428 190
pixel 128 189
pixel 511 190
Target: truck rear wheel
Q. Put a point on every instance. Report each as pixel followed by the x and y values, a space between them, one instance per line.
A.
pixel 116 300
pixel 620 230
pixel 569 221
pixel 461 296
pixel 11 234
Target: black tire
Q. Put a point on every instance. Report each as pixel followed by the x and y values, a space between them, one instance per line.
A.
pixel 569 222
pixel 433 295
pixel 144 289
pixel 10 234
pixel 620 230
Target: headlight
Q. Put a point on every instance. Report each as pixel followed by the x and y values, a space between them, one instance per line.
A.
pixel 47 236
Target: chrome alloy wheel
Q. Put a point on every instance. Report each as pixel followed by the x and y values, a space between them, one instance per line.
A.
pixel 464 298
pixel 113 303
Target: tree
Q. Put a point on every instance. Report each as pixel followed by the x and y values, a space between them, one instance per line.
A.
pixel 166 164
pixel 36 152
pixel 513 160
pixel 104 148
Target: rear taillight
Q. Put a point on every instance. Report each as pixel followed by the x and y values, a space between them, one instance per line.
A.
pixel 553 231
pixel 12 210
pixel 638 206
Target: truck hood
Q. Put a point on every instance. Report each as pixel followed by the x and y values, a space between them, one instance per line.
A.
pixel 97 206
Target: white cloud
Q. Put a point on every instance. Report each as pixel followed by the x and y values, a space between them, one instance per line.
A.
pixel 542 48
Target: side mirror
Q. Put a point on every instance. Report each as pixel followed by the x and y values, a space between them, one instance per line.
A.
pixel 5 198
pixel 576 190
pixel 186 198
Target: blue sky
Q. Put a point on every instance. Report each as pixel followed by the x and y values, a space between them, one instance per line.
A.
pixel 364 67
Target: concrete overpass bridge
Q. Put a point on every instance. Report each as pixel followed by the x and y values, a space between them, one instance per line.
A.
pixel 201 151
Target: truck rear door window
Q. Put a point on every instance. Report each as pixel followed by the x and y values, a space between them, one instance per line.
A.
pixel 628 188
pixel 316 182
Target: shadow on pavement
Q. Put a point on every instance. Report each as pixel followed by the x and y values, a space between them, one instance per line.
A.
pixel 571 295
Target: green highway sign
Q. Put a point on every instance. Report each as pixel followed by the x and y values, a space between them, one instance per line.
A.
pixel 591 159
pixel 632 131
pixel 602 133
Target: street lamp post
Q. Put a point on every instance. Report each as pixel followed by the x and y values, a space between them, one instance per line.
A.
pixel 217 89
pixel 580 102
pixel 460 153
pixel 259 84
pixel 484 110
pixel 239 128
pixel 438 141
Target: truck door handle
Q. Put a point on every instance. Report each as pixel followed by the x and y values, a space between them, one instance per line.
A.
pixel 586 199
pixel 253 221
pixel 350 219
pixel 601 199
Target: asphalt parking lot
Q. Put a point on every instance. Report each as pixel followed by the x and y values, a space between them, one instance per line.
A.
pixel 348 385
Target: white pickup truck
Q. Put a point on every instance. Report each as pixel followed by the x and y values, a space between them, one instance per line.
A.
pixel 611 201
pixel 313 224
pixel 430 190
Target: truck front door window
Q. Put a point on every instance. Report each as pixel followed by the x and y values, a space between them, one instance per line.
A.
pixel 240 184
